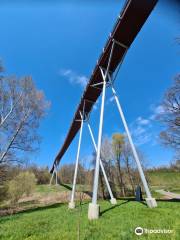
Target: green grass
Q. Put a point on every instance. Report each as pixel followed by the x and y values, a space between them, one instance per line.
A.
pixel 169 180
pixel 56 222
pixel 44 189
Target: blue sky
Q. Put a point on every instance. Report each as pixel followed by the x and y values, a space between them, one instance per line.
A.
pixel 58 43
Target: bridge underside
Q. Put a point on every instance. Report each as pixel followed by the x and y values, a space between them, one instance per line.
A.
pixel 129 23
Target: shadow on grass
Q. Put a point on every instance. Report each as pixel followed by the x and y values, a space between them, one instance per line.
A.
pixel 167 200
pixel 41 208
pixel 115 206
pixel 66 186
pixel 127 200
pixel 157 199
pixel 131 199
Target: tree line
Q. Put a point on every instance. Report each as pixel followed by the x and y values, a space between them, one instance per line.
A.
pixel 118 162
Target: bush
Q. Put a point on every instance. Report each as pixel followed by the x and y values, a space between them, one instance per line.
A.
pixel 3 192
pixel 22 184
pixel 42 174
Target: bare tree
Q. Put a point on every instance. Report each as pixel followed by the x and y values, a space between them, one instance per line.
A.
pixel 101 181
pixel 117 143
pixel 9 98
pixel 171 117
pixel 107 160
pixel 129 162
pixel 107 155
pixel 66 173
pixel 22 107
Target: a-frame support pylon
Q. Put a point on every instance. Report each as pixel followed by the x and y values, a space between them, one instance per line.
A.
pixel 93 211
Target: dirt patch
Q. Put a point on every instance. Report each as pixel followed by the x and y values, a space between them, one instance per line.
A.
pixel 38 201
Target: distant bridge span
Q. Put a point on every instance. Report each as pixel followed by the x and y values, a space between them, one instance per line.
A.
pixel 126 28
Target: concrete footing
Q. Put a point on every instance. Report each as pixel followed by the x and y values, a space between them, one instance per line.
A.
pixel 71 205
pixel 113 201
pixel 93 211
pixel 151 202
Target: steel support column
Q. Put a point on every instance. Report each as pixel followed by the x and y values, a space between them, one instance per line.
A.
pixel 52 177
pixel 93 211
pixel 72 202
pixel 96 177
pixel 150 201
pixel 56 176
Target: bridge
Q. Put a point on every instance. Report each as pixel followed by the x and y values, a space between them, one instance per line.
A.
pixel 130 21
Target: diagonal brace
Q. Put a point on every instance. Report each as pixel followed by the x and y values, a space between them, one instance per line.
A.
pixel 113 200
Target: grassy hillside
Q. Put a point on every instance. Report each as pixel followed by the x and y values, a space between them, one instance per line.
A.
pixel 56 222
pixel 44 217
pixel 168 180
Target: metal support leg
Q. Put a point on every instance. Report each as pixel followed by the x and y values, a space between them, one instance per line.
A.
pixel 56 176
pixel 93 211
pixel 52 177
pixel 96 178
pixel 150 201
pixel 72 203
pixel 113 200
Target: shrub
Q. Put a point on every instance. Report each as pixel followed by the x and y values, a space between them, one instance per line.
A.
pixel 14 191
pixel 3 192
pixel 42 174
pixel 22 184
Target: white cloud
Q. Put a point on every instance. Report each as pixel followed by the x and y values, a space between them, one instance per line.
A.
pixel 143 121
pixel 109 100
pixel 144 130
pixel 73 77
pixel 144 139
pixel 157 110
pixel 141 130
pixel 65 72
pixel 140 134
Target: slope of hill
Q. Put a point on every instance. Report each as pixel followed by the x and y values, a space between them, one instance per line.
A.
pixel 118 222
